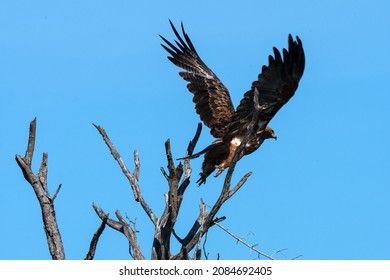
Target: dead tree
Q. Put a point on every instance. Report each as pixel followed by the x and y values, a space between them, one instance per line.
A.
pixel 178 179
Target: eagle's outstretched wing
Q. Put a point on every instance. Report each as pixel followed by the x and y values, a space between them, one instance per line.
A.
pixel 276 84
pixel 211 98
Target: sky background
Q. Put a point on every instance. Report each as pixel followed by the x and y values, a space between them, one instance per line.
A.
pixel 322 190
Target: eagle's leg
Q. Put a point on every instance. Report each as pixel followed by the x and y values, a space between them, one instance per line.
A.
pixel 221 167
pixel 220 170
pixel 215 158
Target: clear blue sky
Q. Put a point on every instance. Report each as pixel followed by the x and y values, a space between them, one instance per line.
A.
pixel 322 190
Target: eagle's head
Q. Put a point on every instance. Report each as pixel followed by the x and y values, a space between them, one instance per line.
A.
pixel 267 133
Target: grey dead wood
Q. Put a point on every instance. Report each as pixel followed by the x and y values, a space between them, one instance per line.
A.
pixel 38 182
pixel 122 226
pixel 95 239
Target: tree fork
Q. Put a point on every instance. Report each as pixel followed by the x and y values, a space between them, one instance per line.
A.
pixel 39 184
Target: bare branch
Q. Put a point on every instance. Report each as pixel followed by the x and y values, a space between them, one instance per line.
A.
pixel 171 164
pixel 31 142
pixel 122 226
pixel 297 257
pixel 206 255
pixel 132 178
pixel 39 184
pixel 118 158
pixel 196 226
pixel 57 191
pixel 197 254
pixel 239 184
pixel 252 247
pixel 95 239
pixel 196 232
pixel 131 237
pixel 174 198
pixel 193 142
pixel 164 173
pixel 186 165
pixel 105 216
pixel 137 165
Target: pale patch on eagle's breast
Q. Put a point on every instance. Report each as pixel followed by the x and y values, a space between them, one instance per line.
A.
pixel 236 141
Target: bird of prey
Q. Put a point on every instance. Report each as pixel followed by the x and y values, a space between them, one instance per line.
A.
pixel 275 85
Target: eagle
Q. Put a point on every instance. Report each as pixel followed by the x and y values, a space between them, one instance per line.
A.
pixel 274 87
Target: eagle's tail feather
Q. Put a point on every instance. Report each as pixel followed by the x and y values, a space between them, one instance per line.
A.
pixel 214 144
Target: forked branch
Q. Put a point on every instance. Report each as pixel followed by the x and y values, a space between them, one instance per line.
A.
pixel 38 182
pixel 242 241
pixel 122 226
pixel 132 177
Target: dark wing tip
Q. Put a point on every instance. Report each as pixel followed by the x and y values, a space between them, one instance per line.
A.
pixel 300 53
pixel 187 38
pixel 299 41
pixel 170 22
pixel 171 48
pixel 292 42
pixel 277 56
pixel 184 42
pixel 296 52
pixel 290 39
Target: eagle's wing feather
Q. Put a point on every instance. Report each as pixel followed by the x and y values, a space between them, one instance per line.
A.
pixel 276 84
pixel 211 97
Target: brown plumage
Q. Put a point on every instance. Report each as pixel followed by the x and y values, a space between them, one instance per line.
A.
pixel 276 84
